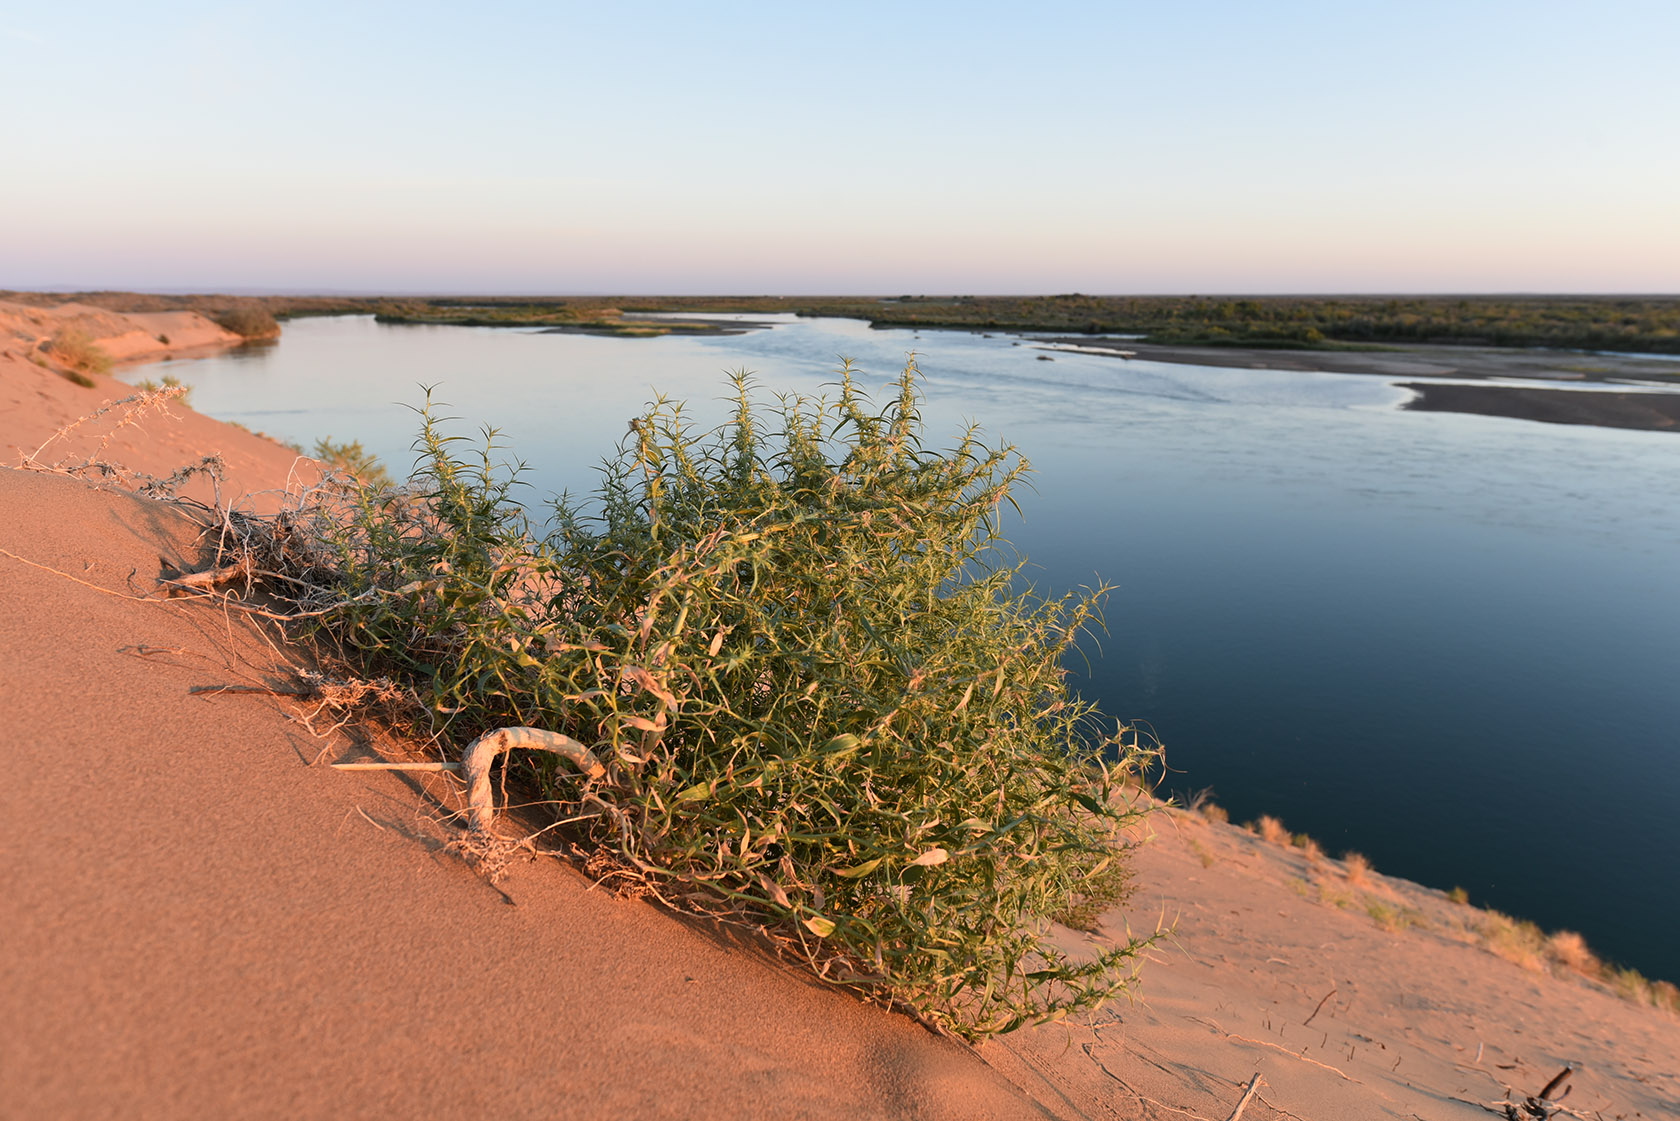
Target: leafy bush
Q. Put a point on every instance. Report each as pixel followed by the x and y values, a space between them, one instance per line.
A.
pixel 826 708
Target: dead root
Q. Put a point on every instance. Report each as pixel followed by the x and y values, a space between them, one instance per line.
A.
pixel 489 855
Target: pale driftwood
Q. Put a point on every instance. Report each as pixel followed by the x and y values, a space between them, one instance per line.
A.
pixel 384 766
pixel 479 755
pixel 265 690
pixel 211 577
pixel 1248 1096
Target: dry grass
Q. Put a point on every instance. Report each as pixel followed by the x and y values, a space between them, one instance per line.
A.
pixel 1561 954
pixel 1516 940
pixel 1566 952
pixel 1203 853
pixel 1391 917
pixel 78 355
pixel 1358 869
pixel 1569 949
pixel 1214 813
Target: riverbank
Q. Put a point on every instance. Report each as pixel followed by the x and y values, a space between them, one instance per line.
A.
pixel 235 929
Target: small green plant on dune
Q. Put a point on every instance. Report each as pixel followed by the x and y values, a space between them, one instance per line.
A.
pixel 168 381
pixel 350 458
pixel 825 705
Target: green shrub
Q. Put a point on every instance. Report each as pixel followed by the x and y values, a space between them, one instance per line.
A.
pixel 826 708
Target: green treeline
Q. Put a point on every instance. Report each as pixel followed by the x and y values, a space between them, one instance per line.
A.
pixel 1618 323
pixel 1585 322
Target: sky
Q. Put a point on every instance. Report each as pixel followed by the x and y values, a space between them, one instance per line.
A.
pixel 1184 147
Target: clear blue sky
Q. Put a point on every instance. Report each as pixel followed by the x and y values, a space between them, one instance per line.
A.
pixel 972 147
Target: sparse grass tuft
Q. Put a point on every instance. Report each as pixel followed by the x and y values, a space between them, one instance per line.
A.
pixel 1272 830
pixel 1525 944
pixel 1203 853
pixel 1630 984
pixel 1358 869
pixel 1306 844
pixel 1515 940
pixel 170 381
pixel 1458 895
pixel 1391 917
pixel 80 357
pixel 825 707
pixel 1201 802
pixel 1569 949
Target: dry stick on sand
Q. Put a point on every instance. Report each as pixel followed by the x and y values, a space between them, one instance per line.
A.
pixel 481 754
pixel 1248 1095
pixel 1319 1009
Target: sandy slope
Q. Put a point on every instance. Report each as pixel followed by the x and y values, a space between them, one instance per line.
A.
pixel 1415 1022
pixel 37 401
pixel 200 923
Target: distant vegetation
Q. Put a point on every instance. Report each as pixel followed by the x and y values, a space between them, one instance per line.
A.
pixel 249 320
pixel 582 317
pixel 1619 323
pixel 1592 323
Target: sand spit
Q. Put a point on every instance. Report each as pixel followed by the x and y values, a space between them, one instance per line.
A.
pixel 1648 411
pixel 1651 412
pixel 203 920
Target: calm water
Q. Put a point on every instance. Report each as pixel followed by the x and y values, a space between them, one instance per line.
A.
pixel 1449 642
